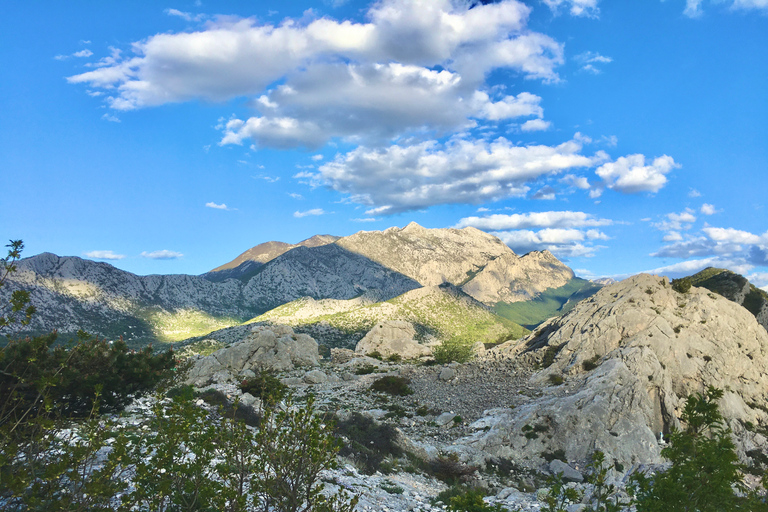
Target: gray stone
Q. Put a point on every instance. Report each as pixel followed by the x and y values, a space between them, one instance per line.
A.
pixel 292 381
pixel 315 377
pixel 348 377
pixel 569 474
pixel 392 337
pixel 445 418
pixel 447 373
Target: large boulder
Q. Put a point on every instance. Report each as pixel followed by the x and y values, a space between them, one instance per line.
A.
pixel 266 348
pixel 392 337
pixel 620 366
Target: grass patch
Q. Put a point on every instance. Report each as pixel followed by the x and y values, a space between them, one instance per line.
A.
pixel 392 385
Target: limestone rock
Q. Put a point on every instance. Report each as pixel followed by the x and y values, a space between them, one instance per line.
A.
pixel 569 474
pixel 315 377
pixel 392 337
pixel 447 373
pixel 630 355
pixel 267 348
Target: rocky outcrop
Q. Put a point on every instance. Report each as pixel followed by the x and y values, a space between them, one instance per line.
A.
pixel 736 288
pixel 621 364
pixel 512 279
pixel 275 348
pixel 392 337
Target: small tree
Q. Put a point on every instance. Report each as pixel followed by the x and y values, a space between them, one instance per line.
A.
pixel 18 307
pixel 705 475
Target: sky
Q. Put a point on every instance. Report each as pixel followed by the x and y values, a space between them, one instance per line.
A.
pixel 168 138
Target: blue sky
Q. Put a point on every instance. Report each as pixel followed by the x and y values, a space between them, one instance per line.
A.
pixel 622 136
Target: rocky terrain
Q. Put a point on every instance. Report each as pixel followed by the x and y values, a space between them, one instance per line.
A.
pixel 611 375
pixel 736 288
pixel 73 293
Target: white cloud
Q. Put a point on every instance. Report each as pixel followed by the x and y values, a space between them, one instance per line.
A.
pixel 483 209
pixel 708 209
pixel 221 206
pixel 401 178
pixel 693 193
pixel 629 174
pixel 185 15
pixel 111 118
pixel 591 60
pixel 295 195
pixel 562 243
pixel 686 268
pixel 730 235
pixel 546 193
pixel 83 53
pixel 534 125
pixel 587 8
pixel 312 212
pixel 103 255
pixel 366 219
pixel 576 181
pixel 165 254
pixel 677 221
pixel 551 219
pixel 750 4
pixel 693 8
pixel 317 158
pixel 673 236
pixel 341 79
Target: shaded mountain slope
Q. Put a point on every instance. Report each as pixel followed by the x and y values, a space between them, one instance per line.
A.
pixel 736 288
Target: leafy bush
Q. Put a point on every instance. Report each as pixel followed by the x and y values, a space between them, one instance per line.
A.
pixel 366 369
pixel 705 474
pixel 453 350
pixel 367 441
pixel 556 379
pixel 450 469
pixel 471 500
pixel 236 410
pixel 591 363
pixel 18 308
pixel 549 355
pixel 397 386
pixel 681 285
pixel 266 387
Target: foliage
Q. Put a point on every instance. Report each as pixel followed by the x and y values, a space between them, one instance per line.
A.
pixel 591 363
pixel 393 385
pixel 366 369
pixel 453 350
pixel 266 387
pixel 559 496
pixel 705 475
pixel 681 285
pixel 550 353
pixel 18 308
pixel 34 374
pixel 471 500
pixel 367 441
pixel 604 497
pixel 449 469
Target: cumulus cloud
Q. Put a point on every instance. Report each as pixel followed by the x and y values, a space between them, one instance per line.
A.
pixel 322 78
pixel 629 174
pixel 294 195
pixel 708 209
pixel 309 213
pixel 103 255
pixel 734 244
pixel 165 254
pixel 693 8
pixel 546 193
pixel 535 125
pixel 677 221
pixel 686 268
pixel 587 8
pixel 551 219
pixel 576 181
pixel 563 243
pixel 693 193
pixel 186 16
pixel 111 118
pixel 401 178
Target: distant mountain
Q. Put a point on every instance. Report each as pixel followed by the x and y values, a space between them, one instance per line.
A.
pixel 71 293
pixel 736 288
pixel 247 264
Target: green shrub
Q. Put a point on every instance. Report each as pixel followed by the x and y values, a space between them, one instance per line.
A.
pixel 591 363
pixel 395 358
pixel 705 474
pixel 366 369
pixel 471 500
pixel 556 379
pixel 185 392
pixel 549 355
pixel 451 351
pixel 397 386
pixel 450 469
pixel 367 441
pixel 681 285
pixel 266 387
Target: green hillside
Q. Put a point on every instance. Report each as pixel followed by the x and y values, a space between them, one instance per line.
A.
pixel 441 312
pixel 729 285
pixel 552 302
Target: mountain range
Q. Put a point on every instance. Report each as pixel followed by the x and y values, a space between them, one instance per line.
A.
pixel 466 267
